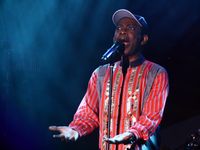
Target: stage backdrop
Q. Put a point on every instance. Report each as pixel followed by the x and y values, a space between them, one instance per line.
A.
pixel 49 48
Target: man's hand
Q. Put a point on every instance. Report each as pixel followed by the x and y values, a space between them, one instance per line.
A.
pixel 124 138
pixel 66 133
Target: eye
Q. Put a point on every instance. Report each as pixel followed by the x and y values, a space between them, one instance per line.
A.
pixel 131 27
pixel 118 28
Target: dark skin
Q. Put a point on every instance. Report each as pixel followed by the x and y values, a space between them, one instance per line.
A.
pixel 129 32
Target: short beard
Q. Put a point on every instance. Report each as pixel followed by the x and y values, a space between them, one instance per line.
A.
pixel 135 51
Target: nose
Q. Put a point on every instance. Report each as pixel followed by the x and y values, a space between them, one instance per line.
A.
pixel 123 36
pixel 123 31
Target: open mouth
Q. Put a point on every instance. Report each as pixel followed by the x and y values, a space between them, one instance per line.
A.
pixel 126 43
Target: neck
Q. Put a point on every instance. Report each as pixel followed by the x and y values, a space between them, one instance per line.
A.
pixel 134 57
pixel 133 61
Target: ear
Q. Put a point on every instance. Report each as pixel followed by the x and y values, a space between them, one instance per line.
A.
pixel 145 39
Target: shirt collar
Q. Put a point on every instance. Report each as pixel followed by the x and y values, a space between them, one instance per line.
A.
pixel 137 62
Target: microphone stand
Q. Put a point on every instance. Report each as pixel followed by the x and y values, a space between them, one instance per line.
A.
pixel 125 64
pixel 110 102
pixel 111 55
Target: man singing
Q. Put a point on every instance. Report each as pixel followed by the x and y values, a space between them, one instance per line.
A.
pixel 139 92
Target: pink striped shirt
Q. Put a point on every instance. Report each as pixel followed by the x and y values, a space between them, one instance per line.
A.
pixel 140 111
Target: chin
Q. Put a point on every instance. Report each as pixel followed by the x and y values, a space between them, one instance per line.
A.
pixel 128 52
pixel 131 51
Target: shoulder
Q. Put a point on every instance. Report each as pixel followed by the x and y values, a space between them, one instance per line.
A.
pixel 155 67
pixel 101 70
pixel 156 72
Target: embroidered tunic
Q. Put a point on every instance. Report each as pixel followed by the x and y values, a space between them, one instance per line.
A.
pixel 139 110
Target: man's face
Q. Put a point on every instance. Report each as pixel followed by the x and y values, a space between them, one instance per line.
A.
pixel 128 31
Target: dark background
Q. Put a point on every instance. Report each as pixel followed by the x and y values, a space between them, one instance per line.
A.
pixel 49 48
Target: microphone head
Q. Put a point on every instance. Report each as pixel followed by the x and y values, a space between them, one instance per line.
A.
pixel 120 46
pixel 114 53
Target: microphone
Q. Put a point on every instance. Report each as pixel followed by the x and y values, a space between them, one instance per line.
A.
pixel 116 50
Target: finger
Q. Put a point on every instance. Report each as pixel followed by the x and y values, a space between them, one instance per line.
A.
pixel 53 128
pixel 58 136
pixel 68 138
pixel 105 138
pixel 71 137
pixel 109 140
pixel 61 137
pixel 57 128
pixel 118 138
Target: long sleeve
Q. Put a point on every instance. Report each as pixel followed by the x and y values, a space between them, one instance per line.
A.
pixel 86 117
pixel 153 108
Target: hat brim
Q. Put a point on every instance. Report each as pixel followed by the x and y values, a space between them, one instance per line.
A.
pixel 122 13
